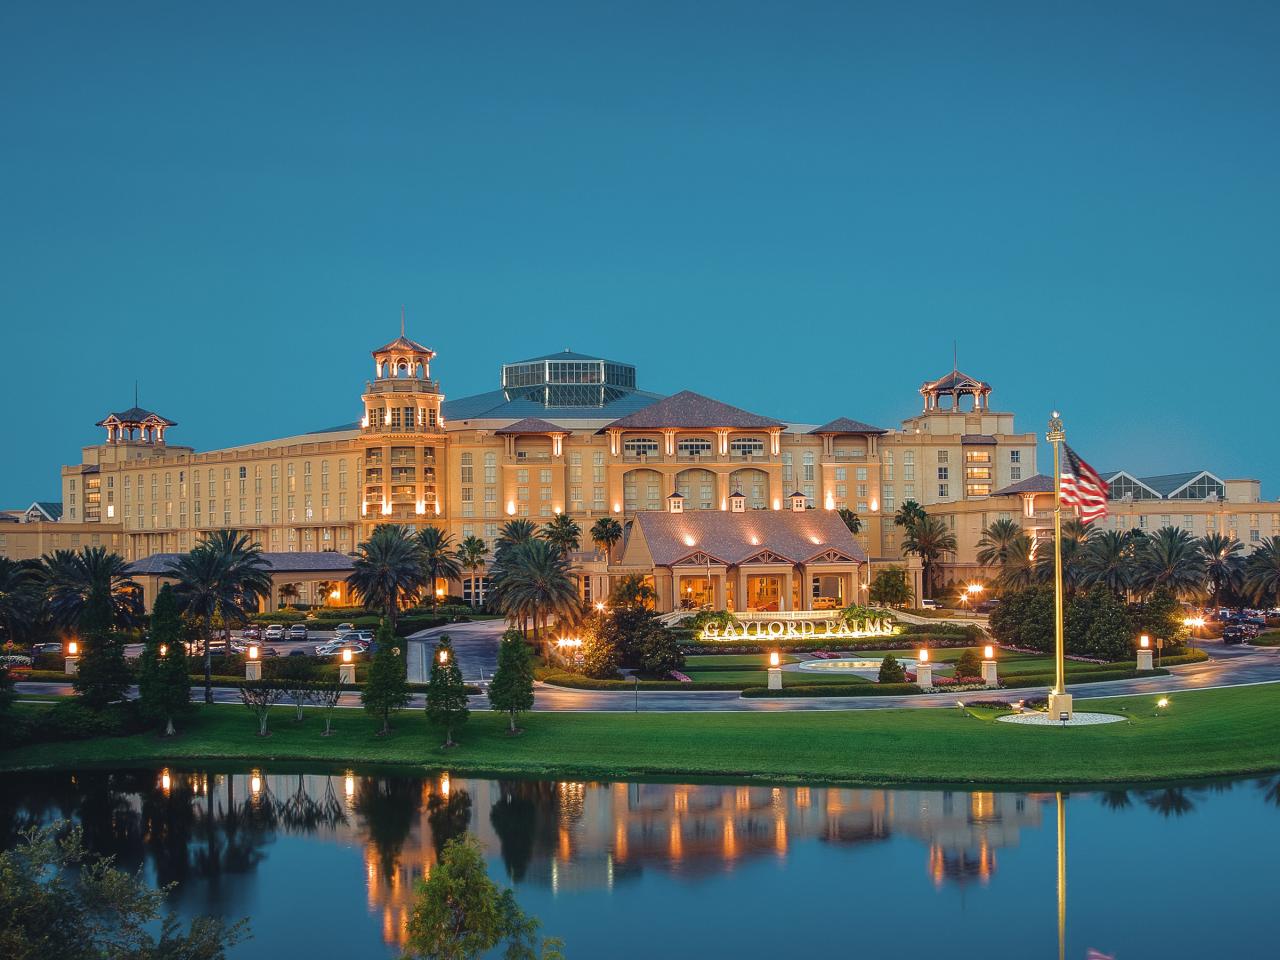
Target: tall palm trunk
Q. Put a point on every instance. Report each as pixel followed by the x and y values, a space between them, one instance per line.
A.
pixel 208 665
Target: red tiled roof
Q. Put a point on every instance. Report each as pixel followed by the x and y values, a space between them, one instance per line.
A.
pixel 845 425
pixel 530 425
pixel 692 410
pixel 734 537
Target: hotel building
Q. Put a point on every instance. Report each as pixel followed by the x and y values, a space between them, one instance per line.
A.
pixel 571 433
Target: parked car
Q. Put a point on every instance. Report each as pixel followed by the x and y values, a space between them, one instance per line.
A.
pixel 342 628
pixel 364 637
pixel 928 604
pixel 297 632
pixel 274 632
pixel 252 632
pixel 46 648
pixel 1236 633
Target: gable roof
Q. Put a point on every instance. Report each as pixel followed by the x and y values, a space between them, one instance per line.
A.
pixel 692 410
pixel 956 379
pixel 1170 483
pixel 1040 483
pixel 530 425
pixel 735 537
pixel 52 509
pixel 845 425
pixel 303 561
pixel 135 415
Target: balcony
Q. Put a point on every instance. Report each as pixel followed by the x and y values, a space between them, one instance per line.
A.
pixel 846 457
pixel 643 458
pixel 406 385
pixel 403 474
pixel 529 458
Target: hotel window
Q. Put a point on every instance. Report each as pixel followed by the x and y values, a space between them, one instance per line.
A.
pixel 943 491
pixel 1142 521
pixel 522 475
pixel 490 468
pixel 694 447
pixel 1188 521
pixel 544 475
pixel 808 493
pixel 860 473
pixel 544 494
pixel 944 456
pixel 1015 473
pixel 467 469
pixel 522 493
pixel 788 469
pixel 640 447
pixel 943 473
pixel 908 491
pixel 1015 456
pixel 597 467
pixel 887 501
pixel 575 468
pixel 886 463
pixel 1255 536
pixel 748 447
pixel 807 469
pixel 862 491
pixel 575 499
pixel 908 466
pixel 842 494
pixel 842 474
pixel 597 500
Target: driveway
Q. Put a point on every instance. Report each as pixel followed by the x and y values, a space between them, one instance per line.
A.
pixel 475 643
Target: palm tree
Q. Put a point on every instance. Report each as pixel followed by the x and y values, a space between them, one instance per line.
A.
pixel 997 542
pixel 513 533
pixel 1108 561
pixel 605 534
pixel 288 593
pixel 1075 537
pixel 1262 572
pixel 223 578
pixel 470 557
pixel 908 515
pixel 1170 558
pixel 19 595
pixel 1018 570
pixel 435 547
pixel 386 570
pixel 632 591
pixel 563 532
pixel 1223 563
pixel 851 519
pixel 534 583
pixel 929 538
pixel 70 578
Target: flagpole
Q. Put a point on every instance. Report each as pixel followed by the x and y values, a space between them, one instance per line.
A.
pixel 1059 699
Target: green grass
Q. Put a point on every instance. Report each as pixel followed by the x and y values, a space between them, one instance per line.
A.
pixel 1205 733
pixel 750 660
pixel 759 678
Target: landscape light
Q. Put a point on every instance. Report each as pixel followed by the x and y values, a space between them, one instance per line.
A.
pixel 444 656
pixel 1162 702
pixel 253 652
pixel 600 606
pixel 988 652
pixel 164 649
pixel 774 660
pixel 1144 641
pixel 346 655
pixel 924 655
pixel 72 648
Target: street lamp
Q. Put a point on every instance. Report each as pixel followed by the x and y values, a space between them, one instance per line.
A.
pixel 990 678
pixel 775 670
pixel 924 669
pixel 346 655
pixel 444 657
pixel 1144 653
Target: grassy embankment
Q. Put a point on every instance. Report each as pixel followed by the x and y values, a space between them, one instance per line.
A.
pixel 1205 733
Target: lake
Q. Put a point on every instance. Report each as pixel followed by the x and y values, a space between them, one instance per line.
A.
pixel 324 862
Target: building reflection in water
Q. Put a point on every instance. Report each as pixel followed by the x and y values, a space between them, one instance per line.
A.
pixel 202 830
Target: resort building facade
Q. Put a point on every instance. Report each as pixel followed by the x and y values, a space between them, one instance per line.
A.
pixel 571 433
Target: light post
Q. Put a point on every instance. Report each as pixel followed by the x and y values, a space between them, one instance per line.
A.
pixel 1144 653
pixel 924 669
pixel 347 669
pixel 990 676
pixel 775 671
pixel 72 661
pixel 252 665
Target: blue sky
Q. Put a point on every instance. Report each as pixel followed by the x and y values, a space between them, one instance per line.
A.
pixel 793 207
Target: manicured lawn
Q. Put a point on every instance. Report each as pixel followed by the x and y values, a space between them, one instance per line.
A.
pixel 749 660
pixel 759 678
pixel 1210 732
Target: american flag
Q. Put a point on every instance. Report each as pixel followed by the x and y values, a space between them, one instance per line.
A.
pixel 1082 488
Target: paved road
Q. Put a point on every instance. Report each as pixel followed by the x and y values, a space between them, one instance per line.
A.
pixel 1229 666
pixel 475 643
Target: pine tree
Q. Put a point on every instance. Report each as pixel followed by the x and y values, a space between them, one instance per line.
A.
pixel 446 693
pixel 386 689
pixel 512 686
pixel 164 687
pixel 103 676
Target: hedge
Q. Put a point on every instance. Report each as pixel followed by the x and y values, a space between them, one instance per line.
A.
pixel 225 680
pixel 899 642
pixel 1270 638
pixel 837 690
pixel 70 720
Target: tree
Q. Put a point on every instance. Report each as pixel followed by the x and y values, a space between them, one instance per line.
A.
pixel 325 694
pixel 164 686
pixel 19 597
pixel 435 549
pixel 1100 626
pixel 471 553
pixel 70 579
pixel 1160 616
pixel 1170 558
pixel 511 689
pixel 929 538
pixel 223 578
pixel 386 571
pixel 998 542
pixel 294 675
pixel 1224 564
pixel 1108 561
pixel 605 534
pixel 633 590
pixel 386 688
pixel 260 696
pixel 1075 539
pixel 599 652
pixel 891 670
pixel 511 535
pixel 658 652
pixel 1024 618
pixel 1262 572
pixel 968 665
pixel 446 693
pixel 103 676
pixel 459 913
pixel 56 900
pixel 851 519
pixel 563 533
pixel 533 581
pixel 288 594
pixel 889 588
pixel 908 515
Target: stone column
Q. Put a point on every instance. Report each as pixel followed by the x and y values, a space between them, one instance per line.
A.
pixel 717 590
pixel 785 601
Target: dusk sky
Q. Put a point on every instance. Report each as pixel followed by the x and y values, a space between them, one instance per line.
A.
pixel 793 207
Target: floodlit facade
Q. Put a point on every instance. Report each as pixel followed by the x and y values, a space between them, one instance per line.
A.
pixel 573 433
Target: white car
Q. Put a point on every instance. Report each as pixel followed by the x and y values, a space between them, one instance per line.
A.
pixel 342 628
pixel 274 632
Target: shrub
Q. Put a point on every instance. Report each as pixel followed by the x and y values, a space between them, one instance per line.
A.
pixel 968 665
pixel 891 671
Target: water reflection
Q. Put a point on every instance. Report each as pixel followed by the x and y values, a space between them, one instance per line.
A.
pixel 209 832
